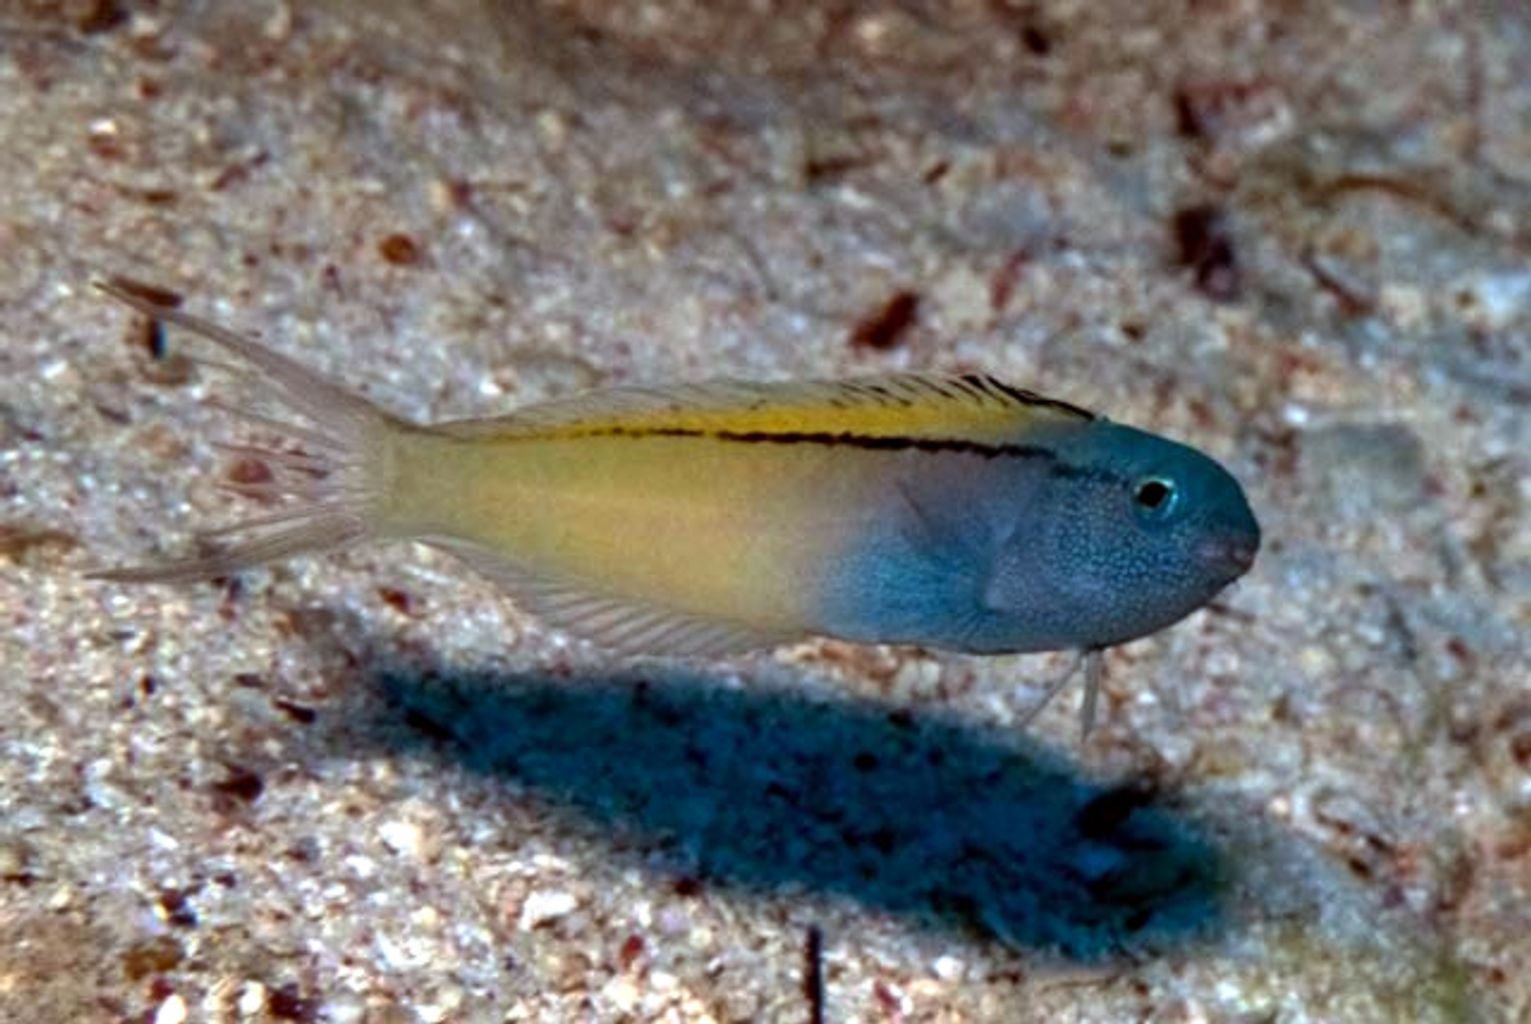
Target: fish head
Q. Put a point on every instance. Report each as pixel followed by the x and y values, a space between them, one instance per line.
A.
pixel 1132 533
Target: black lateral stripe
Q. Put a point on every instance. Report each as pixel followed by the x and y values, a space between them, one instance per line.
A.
pixel 870 442
pixel 874 442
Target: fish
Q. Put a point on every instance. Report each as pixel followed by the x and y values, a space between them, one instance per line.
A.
pixel 952 512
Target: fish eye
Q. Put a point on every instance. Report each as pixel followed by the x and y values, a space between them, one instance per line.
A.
pixel 1155 497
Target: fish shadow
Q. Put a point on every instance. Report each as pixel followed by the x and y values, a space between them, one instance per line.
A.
pixel 761 787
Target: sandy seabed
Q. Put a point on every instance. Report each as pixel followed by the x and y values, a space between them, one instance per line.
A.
pixel 365 788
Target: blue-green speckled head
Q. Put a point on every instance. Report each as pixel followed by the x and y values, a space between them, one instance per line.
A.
pixel 1120 534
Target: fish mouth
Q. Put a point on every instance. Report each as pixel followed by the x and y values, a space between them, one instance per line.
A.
pixel 1231 555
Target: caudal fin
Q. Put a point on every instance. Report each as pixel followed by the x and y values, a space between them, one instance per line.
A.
pixel 325 475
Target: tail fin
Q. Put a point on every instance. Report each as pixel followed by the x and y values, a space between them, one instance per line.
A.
pixel 329 474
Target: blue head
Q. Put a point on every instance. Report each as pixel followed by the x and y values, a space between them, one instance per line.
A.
pixel 1121 534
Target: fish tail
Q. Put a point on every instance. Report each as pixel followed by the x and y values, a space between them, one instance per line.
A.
pixel 322 464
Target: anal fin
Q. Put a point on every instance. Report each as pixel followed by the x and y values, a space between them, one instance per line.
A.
pixel 630 627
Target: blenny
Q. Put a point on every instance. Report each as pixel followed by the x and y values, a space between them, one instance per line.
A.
pixel 954 512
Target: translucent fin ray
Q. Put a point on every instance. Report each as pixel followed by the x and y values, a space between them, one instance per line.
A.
pixel 1093 662
pixel 325 471
pixel 625 626
pixel 889 402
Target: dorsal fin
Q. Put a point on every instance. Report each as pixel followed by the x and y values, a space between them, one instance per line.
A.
pixel 905 404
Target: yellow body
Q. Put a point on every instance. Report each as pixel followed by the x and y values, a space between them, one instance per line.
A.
pixel 669 506
pixel 696 525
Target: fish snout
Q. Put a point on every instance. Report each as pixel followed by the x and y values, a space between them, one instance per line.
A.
pixel 1232 554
